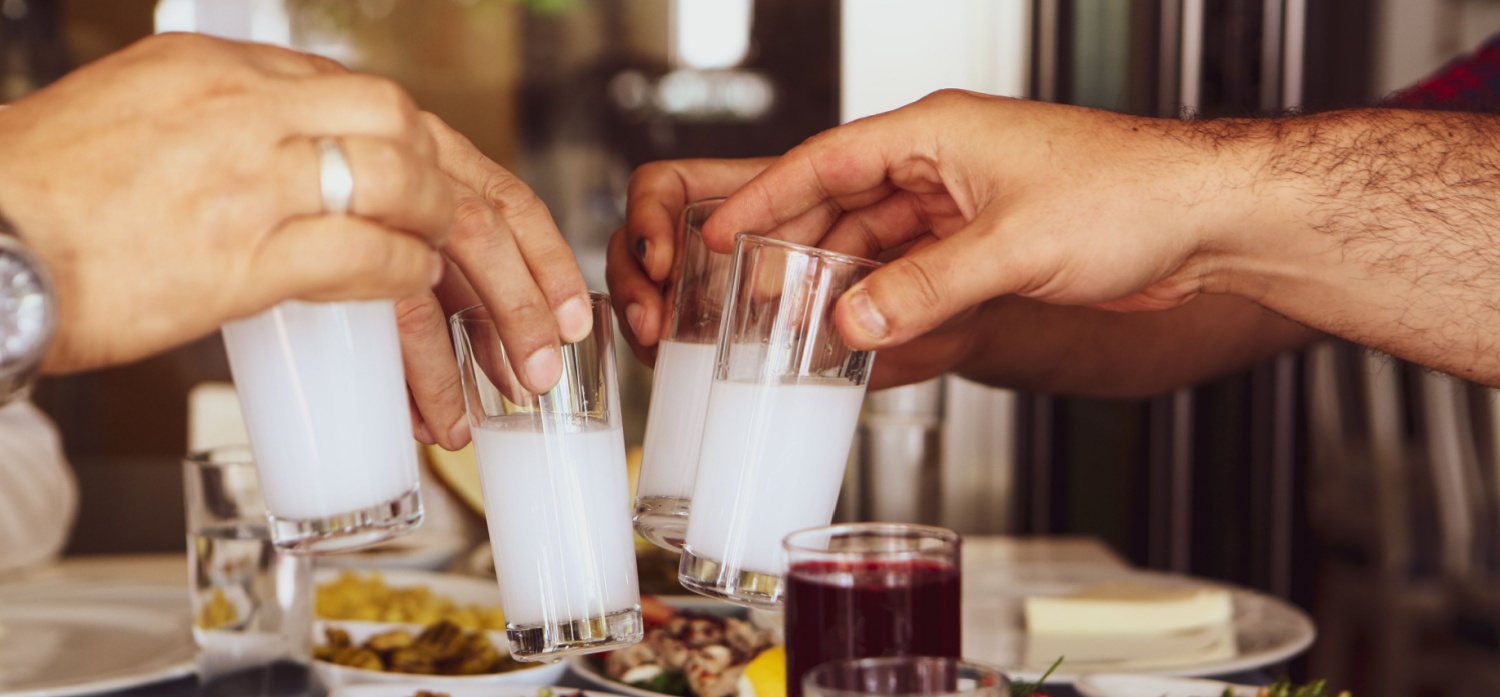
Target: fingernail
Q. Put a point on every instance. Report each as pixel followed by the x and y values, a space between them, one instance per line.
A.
pixel 633 315
pixel 423 433
pixel 460 433
pixel 867 316
pixel 543 368
pixel 574 320
pixel 438 265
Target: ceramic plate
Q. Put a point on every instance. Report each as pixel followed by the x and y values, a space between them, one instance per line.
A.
pixel 84 637
pixel 1264 630
pixel 410 688
pixel 590 667
pixel 1120 685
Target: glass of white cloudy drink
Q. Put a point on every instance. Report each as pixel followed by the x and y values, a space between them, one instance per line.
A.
pixel 325 406
pixel 556 495
pixel 782 411
pixel 679 388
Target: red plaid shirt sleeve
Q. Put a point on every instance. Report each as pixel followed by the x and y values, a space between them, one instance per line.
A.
pixel 1471 83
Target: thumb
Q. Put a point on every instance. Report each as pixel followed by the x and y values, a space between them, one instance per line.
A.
pixel 925 287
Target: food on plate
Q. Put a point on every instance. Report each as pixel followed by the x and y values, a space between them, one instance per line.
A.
pixel 443 648
pixel 218 612
pixel 367 598
pixel 689 655
pixel 1129 608
pixel 1285 688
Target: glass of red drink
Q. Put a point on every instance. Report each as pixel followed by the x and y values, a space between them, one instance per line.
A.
pixel 905 676
pixel 862 590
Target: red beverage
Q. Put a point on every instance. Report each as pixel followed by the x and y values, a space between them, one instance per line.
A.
pixel 863 609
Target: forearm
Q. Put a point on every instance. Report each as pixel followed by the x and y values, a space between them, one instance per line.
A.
pixel 1376 226
pixel 1030 345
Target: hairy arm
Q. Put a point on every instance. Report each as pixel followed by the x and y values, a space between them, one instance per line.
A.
pixel 1373 225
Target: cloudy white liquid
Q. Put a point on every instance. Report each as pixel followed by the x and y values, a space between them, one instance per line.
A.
pixel 324 400
pixel 674 426
pixel 558 506
pixel 772 461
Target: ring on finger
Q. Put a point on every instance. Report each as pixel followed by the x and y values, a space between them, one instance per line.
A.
pixel 335 178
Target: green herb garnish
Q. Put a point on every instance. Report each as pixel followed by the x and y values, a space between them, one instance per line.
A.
pixel 1021 688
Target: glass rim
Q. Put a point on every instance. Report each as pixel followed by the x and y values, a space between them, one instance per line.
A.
pixel 791 543
pixel 597 298
pixel 241 453
pixel 824 254
pixel 1001 682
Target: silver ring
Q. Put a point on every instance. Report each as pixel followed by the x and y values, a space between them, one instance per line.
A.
pixel 334 176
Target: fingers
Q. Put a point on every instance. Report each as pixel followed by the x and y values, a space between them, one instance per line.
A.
pixel 340 258
pixel 514 213
pixel 638 302
pixel 924 288
pixel 657 193
pixel 392 184
pixel 431 374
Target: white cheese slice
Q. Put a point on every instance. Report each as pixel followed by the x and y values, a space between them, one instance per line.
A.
pixel 1129 608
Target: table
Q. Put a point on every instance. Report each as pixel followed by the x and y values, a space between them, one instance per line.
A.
pixel 172 569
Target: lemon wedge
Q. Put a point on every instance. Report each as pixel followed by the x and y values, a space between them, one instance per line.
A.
pixel 459 472
pixel 765 676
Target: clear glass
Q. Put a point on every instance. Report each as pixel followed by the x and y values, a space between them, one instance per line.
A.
pixel 556 492
pixel 252 602
pixel 781 415
pixel 870 589
pixel 679 388
pixel 325 404
pixel 905 676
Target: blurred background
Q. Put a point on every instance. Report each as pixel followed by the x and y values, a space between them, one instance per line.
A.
pixel 1355 485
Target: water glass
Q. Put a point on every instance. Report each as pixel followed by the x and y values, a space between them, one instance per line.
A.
pixel 782 410
pixel 679 387
pixel 325 405
pixel 252 602
pixel 905 676
pixel 864 590
pixel 556 492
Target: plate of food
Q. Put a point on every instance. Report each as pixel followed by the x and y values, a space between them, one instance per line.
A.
pixel 392 626
pixel 1125 685
pixel 427 689
pixel 1123 621
pixel 694 647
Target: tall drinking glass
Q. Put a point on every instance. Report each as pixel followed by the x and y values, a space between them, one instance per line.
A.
pixel 252 603
pixel 556 494
pixel 679 387
pixel 904 676
pixel 862 590
pixel 781 415
pixel 325 406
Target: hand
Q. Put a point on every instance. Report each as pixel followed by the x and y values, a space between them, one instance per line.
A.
pixel 641 253
pixel 992 196
pixel 505 251
pixel 175 185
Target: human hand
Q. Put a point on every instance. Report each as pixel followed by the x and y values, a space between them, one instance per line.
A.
pixel 174 185
pixel 992 196
pixel 505 251
pixel 640 254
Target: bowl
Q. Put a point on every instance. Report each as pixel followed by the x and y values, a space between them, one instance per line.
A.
pixel 334 676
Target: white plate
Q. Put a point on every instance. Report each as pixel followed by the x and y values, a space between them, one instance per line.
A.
pixel 410 688
pixel 463 590
pixel 1264 631
pixel 83 637
pixel 429 549
pixel 1124 685
pixel 586 666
